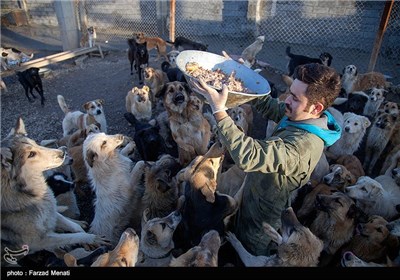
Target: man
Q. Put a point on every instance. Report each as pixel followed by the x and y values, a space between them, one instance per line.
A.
pixel 277 166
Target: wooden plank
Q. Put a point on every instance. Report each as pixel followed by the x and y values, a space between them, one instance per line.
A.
pixel 379 35
pixel 50 59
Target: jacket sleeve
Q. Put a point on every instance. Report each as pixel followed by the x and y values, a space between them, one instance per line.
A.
pixel 270 108
pixel 271 155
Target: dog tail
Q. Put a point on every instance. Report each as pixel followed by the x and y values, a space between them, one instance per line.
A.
pixel 288 53
pixel 165 66
pixel 63 105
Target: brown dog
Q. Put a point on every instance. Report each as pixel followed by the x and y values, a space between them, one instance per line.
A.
pixel 153 43
pixel 190 130
pixel 203 255
pixel 353 81
pixel 155 79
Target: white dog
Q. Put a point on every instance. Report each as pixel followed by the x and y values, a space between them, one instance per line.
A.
pixel 373 198
pixel 110 174
pixel 75 120
pixel 354 129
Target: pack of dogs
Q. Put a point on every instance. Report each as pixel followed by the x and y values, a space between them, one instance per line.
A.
pixel 166 195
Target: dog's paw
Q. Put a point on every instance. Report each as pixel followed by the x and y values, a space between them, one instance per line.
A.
pixel 231 237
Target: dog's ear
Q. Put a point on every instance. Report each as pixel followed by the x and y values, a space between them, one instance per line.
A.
pixel 102 260
pixel 145 216
pixel 90 157
pixel 187 87
pixel 20 127
pixel 146 89
pixel 70 260
pixel 101 101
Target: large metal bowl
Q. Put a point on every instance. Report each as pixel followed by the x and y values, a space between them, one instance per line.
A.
pixel 257 85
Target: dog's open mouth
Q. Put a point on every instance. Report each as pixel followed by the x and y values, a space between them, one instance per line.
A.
pixel 179 98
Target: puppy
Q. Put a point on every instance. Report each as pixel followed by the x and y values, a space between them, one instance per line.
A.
pixel 153 43
pixel 12 57
pixel 190 130
pixel 155 80
pixel 138 102
pixel 110 174
pixel 296 60
pixel 249 53
pixel 205 254
pixel 156 243
pixel 77 120
pixel 27 203
pixel 297 245
pixel 89 37
pixel 30 79
pixel 353 81
pixel 187 44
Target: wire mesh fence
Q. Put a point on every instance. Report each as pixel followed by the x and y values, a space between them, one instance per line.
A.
pixel 309 27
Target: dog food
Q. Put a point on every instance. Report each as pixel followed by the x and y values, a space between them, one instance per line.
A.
pixel 216 78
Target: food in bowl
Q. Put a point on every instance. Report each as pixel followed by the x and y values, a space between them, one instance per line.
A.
pixel 216 78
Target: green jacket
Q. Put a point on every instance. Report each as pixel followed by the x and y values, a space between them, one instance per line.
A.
pixel 275 167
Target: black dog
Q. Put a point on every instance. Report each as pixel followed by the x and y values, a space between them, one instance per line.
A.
pixel 296 60
pixel 30 80
pixel 139 55
pixel 149 142
pixel 187 44
pixel 173 73
pixel 355 103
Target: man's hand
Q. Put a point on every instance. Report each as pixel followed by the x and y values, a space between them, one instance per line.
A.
pixel 217 100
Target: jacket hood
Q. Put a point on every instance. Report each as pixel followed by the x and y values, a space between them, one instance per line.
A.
pixel 325 127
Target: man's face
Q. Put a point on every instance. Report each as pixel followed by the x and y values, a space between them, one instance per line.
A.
pixel 296 102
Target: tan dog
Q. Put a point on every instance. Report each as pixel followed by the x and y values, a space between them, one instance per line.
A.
pixel 156 243
pixel 335 220
pixel 353 164
pixel 242 116
pixel 373 240
pixel 138 102
pixel 353 81
pixel 125 254
pixel 339 177
pixel 155 79
pixel 389 107
pixel 297 245
pixel 153 43
pixel 189 128
pixel 203 255
pixel 249 53
pixel 74 120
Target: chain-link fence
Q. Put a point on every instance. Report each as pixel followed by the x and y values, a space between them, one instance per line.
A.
pixel 346 29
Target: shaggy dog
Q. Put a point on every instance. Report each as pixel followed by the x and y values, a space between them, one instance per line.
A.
pixel 249 53
pixel 110 174
pixel 205 254
pixel 296 60
pixel 74 120
pixel 138 102
pixel 27 203
pixel 353 81
pixel 190 130
pixel 297 245
pixel 153 43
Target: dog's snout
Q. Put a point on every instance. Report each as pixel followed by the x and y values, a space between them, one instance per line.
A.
pixel 347 129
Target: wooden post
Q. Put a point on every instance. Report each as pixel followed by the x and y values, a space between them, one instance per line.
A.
pixel 379 35
pixel 172 6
